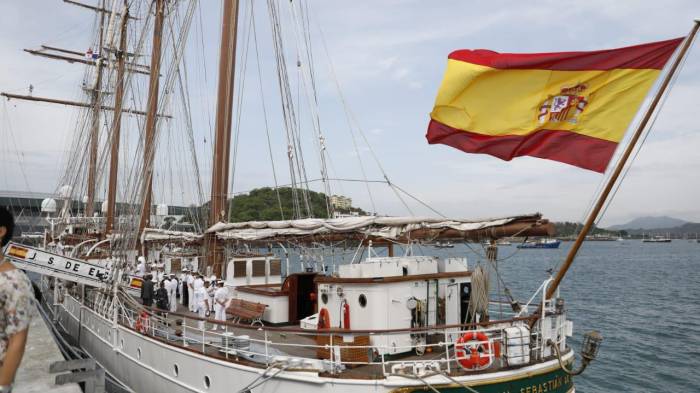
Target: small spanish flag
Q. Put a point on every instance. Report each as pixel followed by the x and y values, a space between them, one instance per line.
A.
pixel 136 283
pixel 17 252
pixel 572 107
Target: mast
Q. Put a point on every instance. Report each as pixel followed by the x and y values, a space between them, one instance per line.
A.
pixel 224 107
pixel 95 124
pixel 620 165
pixel 151 117
pixel 117 122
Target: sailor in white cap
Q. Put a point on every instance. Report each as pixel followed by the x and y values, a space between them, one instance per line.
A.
pixel 141 266
pixel 220 300
pixel 202 303
pixel 172 293
pixel 190 289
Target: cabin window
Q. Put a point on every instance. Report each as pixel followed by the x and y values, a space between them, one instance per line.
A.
pixel 275 267
pixel 362 300
pixel 324 298
pixel 239 268
pixel 207 382
pixel 258 268
pixel 176 370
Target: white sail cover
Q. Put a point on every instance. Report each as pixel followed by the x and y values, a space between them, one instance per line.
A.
pixel 383 227
pixel 153 234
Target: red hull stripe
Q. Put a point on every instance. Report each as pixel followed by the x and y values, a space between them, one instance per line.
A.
pixel 652 55
pixel 563 146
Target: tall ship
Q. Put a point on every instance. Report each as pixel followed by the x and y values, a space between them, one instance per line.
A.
pixel 387 319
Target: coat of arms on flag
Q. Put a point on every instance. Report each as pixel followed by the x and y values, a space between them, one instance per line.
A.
pixel 566 106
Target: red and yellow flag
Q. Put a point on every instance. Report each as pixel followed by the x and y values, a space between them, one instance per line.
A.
pixel 572 107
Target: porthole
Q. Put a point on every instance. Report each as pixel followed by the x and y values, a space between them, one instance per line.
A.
pixel 207 382
pixel 176 370
pixel 324 298
pixel 362 300
pixel 138 353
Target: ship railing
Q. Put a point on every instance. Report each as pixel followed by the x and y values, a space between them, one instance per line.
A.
pixel 334 350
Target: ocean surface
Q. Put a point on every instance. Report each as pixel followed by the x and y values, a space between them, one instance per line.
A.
pixel 644 299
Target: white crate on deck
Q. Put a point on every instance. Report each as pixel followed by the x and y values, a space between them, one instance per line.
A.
pixel 517 345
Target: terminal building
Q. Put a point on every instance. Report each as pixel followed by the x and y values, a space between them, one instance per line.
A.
pixel 31 221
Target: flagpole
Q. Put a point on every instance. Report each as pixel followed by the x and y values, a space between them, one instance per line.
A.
pixel 621 163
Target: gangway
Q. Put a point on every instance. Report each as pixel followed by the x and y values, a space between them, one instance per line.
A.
pixel 56 265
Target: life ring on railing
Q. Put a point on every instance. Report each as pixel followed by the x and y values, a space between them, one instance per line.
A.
pixel 473 351
pixel 324 319
pixel 346 316
pixel 142 322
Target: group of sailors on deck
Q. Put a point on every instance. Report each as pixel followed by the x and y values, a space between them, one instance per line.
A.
pixel 201 295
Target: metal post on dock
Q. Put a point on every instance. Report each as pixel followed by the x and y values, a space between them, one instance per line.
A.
pixel 81 370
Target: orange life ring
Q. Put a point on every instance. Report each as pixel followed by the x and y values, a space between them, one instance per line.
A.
pixel 346 315
pixel 324 319
pixel 473 351
pixel 142 322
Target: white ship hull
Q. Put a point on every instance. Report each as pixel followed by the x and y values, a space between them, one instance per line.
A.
pixel 144 364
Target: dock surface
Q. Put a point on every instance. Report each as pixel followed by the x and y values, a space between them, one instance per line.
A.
pixel 33 375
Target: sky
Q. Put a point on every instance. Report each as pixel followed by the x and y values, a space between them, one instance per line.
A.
pixel 388 58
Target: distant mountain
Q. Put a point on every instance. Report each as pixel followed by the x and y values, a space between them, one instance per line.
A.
pixel 650 223
pixel 690 230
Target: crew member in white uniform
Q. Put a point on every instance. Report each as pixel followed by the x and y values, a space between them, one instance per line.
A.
pixel 220 300
pixel 141 267
pixel 172 292
pixel 196 284
pixel 190 290
pixel 202 302
pixel 198 281
pixel 161 274
pixel 166 286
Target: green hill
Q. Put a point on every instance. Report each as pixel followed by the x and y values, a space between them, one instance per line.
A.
pixel 569 229
pixel 262 204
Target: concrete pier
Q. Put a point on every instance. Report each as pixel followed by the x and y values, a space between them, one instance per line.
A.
pixel 33 375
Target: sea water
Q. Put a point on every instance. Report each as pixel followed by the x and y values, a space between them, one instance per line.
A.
pixel 642 297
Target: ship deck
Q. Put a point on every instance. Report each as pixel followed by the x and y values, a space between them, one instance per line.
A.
pixel 185 333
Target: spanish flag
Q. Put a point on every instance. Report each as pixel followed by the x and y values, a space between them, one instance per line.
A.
pixel 572 107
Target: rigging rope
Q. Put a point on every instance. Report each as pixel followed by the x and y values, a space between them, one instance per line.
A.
pixel 264 110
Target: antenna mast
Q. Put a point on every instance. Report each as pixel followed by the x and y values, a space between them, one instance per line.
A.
pixel 95 123
pixel 151 117
pixel 224 107
pixel 117 122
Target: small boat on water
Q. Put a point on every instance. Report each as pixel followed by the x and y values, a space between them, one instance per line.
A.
pixel 657 239
pixel 541 243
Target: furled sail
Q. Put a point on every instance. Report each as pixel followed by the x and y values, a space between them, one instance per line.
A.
pixel 389 228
